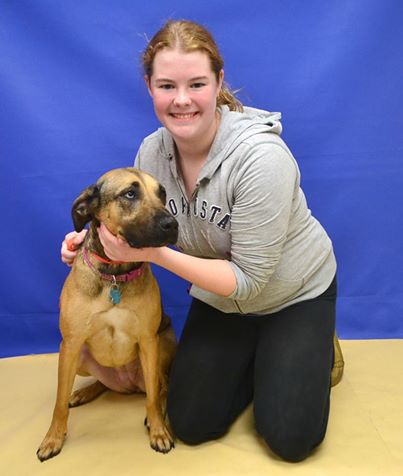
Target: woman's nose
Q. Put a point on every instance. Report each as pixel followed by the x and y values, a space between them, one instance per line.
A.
pixel 182 98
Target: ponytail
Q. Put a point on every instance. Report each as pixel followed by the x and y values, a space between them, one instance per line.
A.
pixel 227 97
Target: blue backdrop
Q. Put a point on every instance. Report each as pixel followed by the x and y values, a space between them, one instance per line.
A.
pixel 73 105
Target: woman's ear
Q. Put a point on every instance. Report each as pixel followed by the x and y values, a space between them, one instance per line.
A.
pixel 147 80
pixel 220 79
pixel 220 83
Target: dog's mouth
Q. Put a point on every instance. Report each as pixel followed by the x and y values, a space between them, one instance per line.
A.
pixel 163 233
pixel 155 242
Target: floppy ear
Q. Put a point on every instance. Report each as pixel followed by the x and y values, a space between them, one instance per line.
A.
pixel 85 206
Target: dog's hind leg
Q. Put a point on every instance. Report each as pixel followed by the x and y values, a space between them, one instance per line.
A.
pixel 87 394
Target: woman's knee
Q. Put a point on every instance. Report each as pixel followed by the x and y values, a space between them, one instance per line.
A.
pixel 292 448
pixel 191 428
pixel 291 441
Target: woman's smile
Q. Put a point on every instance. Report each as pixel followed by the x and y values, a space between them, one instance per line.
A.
pixel 185 117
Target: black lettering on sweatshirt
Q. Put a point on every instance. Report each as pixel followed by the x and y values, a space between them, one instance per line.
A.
pixel 172 207
pixel 202 210
pixel 214 211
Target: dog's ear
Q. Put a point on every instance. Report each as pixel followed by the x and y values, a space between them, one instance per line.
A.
pixel 85 206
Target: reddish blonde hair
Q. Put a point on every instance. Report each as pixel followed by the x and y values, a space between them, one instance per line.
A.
pixel 190 36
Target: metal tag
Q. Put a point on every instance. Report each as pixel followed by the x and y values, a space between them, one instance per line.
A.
pixel 115 294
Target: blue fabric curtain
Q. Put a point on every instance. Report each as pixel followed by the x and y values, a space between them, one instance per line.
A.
pixel 73 105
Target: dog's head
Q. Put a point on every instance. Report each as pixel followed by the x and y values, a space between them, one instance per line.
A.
pixel 131 204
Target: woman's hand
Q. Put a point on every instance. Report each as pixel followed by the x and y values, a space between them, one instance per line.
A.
pixel 71 243
pixel 118 250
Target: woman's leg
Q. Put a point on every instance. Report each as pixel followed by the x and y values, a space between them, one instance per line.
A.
pixel 293 364
pixel 211 380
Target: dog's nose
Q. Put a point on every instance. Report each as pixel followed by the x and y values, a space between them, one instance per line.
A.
pixel 168 223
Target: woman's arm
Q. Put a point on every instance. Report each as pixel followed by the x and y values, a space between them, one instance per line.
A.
pixel 213 275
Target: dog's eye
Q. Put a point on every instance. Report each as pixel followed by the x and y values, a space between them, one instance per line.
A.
pixel 130 194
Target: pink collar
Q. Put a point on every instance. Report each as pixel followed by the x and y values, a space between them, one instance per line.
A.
pixel 112 277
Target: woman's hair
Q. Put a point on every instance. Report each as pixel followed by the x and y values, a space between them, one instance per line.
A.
pixel 189 37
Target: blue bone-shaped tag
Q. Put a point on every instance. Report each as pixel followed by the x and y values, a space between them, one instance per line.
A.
pixel 115 294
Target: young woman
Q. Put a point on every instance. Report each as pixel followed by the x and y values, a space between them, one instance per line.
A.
pixel 262 268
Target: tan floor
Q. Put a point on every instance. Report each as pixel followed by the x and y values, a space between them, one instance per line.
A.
pixel 107 437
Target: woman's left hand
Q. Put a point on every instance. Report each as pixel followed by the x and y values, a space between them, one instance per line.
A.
pixel 118 250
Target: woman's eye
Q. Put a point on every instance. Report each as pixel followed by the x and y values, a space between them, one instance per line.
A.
pixel 130 194
pixel 197 85
pixel 166 86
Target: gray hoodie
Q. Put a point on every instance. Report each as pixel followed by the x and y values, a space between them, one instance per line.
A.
pixel 248 208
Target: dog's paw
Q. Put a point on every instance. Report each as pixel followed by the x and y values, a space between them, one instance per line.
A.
pixel 49 448
pixel 161 440
pixel 86 394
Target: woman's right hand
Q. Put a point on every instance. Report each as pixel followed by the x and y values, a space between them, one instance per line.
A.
pixel 71 243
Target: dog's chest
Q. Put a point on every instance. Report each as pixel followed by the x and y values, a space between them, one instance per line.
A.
pixel 113 335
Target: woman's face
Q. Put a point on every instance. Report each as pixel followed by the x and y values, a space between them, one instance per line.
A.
pixel 184 90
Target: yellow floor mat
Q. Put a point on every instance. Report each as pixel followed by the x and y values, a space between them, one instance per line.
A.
pixel 107 436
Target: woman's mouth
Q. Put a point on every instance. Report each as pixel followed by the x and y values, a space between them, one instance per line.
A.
pixel 184 116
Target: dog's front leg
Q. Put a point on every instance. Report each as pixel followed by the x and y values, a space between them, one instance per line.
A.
pixel 160 437
pixel 68 361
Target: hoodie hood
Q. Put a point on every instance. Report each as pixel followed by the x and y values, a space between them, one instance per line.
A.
pixel 235 127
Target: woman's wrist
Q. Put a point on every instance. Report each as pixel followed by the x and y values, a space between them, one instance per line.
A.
pixel 156 255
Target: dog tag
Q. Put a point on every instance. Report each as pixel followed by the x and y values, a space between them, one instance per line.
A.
pixel 115 294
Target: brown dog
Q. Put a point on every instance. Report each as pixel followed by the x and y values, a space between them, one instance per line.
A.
pixel 111 318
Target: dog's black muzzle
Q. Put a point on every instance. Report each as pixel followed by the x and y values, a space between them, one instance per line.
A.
pixel 161 230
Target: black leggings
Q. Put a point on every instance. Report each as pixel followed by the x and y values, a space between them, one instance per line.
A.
pixel 281 361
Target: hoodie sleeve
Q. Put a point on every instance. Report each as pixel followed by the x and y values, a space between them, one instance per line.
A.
pixel 264 187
